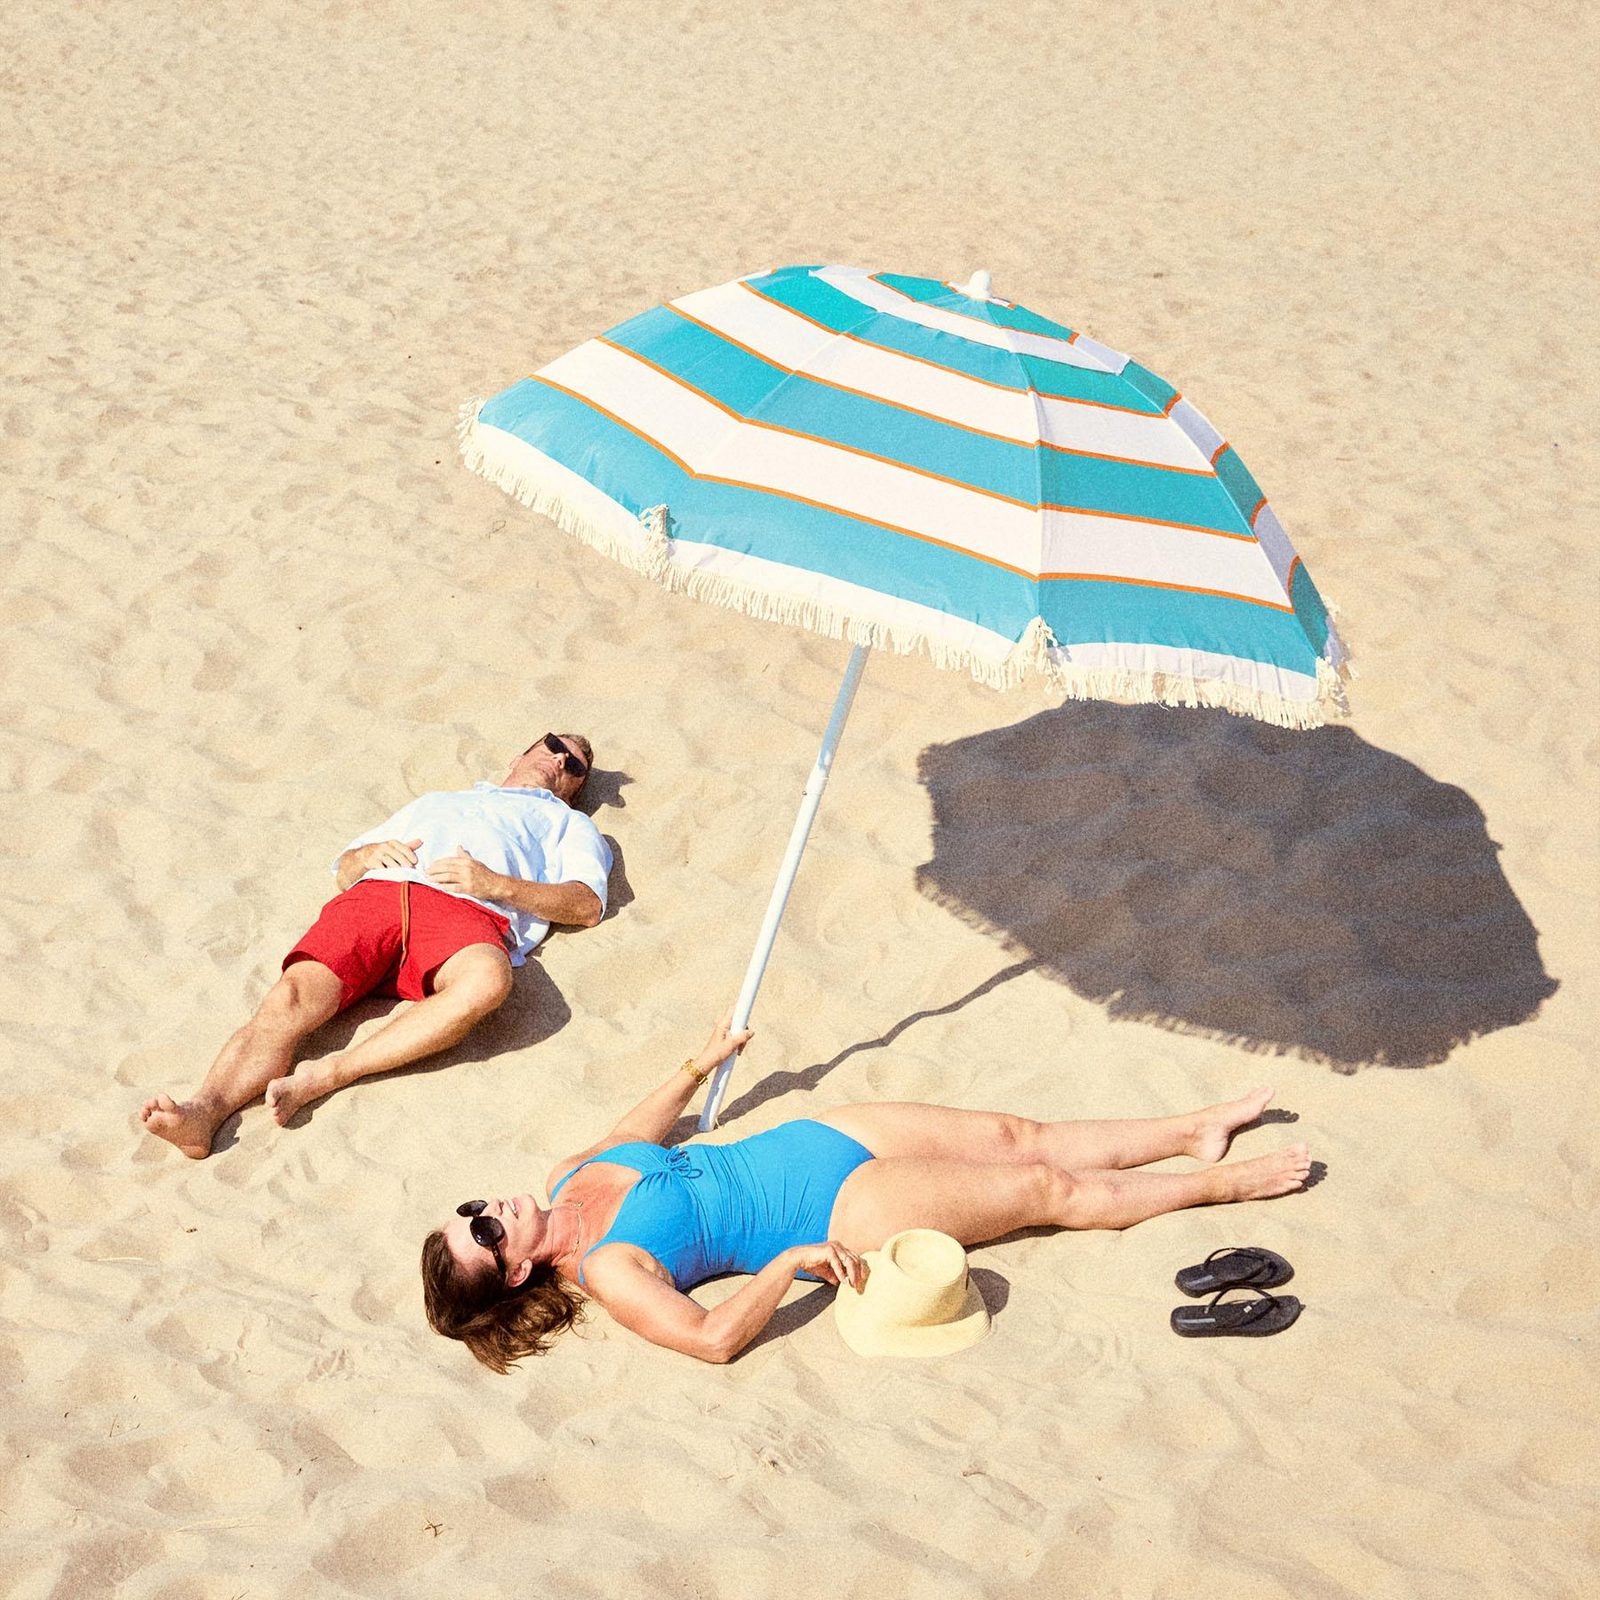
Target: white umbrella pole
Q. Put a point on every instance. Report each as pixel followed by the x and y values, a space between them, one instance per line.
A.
pixel 815 784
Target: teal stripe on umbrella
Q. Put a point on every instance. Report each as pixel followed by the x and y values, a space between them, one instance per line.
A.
pixel 913 465
pixel 871 557
pixel 770 396
pixel 838 313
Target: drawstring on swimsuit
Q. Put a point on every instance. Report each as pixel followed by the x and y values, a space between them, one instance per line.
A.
pixel 678 1162
pixel 405 920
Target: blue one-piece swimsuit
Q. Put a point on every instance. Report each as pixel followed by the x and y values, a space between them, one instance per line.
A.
pixel 705 1209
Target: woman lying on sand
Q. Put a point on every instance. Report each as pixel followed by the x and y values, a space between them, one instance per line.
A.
pixel 637 1225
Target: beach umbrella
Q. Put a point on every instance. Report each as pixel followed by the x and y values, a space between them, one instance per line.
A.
pixel 920 466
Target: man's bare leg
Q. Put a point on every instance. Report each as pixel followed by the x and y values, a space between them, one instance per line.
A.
pixel 470 985
pixel 305 997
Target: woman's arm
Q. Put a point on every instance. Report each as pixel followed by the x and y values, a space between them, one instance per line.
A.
pixel 651 1120
pixel 649 1306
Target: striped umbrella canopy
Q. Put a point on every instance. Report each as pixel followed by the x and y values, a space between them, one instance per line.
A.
pixel 920 466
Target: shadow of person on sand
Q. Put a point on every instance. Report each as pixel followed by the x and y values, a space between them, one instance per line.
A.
pixel 1290 892
pixel 604 787
pixel 533 1012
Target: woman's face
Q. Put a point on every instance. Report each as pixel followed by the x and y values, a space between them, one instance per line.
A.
pixel 524 1225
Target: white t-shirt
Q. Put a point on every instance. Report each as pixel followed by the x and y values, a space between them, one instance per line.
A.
pixel 522 833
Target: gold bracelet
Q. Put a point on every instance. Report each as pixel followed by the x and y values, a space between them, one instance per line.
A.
pixel 699 1077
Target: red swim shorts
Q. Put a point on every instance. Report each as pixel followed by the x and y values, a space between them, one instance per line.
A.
pixel 363 937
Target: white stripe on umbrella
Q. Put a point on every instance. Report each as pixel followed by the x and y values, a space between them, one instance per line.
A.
pixel 702 437
pixel 787 340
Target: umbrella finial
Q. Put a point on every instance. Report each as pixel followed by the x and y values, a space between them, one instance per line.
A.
pixel 977 287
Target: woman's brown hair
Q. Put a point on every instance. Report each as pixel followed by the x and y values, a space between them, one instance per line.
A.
pixel 497 1327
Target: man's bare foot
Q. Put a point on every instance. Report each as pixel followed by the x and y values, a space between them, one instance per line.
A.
pixel 1282 1172
pixel 308 1082
pixel 191 1126
pixel 1216 1125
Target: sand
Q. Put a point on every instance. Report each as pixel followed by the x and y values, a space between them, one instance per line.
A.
pixel 255 257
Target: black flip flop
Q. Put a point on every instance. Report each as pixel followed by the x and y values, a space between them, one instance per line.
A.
pixel 1256 1318
pixel 1235 1266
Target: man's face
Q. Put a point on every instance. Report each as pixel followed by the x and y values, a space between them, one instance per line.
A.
pixel 547 764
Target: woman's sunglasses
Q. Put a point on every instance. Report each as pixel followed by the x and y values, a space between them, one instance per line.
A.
pixel 490 1232
pixel 570 764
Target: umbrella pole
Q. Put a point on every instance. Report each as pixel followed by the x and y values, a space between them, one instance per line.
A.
pixel 815 784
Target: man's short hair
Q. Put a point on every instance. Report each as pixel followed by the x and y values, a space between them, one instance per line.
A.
pixel 582 744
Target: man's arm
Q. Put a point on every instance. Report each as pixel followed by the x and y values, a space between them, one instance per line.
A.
pixel 574 904
pixel 355 863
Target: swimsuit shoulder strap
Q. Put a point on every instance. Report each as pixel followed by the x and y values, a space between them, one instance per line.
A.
pixel 613 1153
pixel 563 1183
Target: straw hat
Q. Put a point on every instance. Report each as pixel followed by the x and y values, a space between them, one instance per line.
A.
pixel 918 1299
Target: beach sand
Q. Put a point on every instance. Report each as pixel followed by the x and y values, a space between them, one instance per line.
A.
pixel 256 256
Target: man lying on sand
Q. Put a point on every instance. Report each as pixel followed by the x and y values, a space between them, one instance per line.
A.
pixel 436 905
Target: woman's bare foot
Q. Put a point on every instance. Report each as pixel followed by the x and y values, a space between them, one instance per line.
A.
pixel 190 1126
pixel 1216 1125
pixel 308 1082
pixel 1282 1172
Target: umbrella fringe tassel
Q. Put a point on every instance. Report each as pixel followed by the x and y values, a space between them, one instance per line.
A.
pixel 575 506
pixel 832 623
pixel 643 544
pixel 1174 689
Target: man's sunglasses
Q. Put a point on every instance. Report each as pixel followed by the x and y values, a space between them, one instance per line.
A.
pixel 490 1232
pixel 570 763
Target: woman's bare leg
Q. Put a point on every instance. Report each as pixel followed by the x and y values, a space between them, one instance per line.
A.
pixel 975 1201
pixel 905 1128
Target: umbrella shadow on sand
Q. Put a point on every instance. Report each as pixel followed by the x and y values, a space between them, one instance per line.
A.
pixel 1289 892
